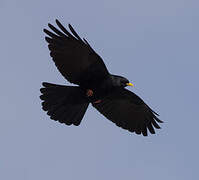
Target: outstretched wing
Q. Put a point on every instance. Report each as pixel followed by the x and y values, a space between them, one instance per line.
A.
pixel 128 111
pixel 74 57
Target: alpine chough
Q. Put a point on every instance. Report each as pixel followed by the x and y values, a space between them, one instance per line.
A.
pixel 81 65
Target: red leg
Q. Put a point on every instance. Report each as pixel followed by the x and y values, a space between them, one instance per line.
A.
pixel 89 93
pixel 98 101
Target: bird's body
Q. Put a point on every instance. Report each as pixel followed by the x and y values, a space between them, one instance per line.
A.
pixel 81 65
pixel 103 88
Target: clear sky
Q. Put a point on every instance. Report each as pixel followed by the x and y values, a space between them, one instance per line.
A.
pixel 155 44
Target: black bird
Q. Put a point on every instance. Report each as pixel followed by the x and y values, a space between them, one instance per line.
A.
pixel 81 65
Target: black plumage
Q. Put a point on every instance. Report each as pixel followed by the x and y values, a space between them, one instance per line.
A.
pixel 81 65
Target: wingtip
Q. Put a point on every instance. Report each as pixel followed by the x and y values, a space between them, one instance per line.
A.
pixel 58 22
pixel 46 38
pixel 70 26
pixel 158 120
pixel 50 25
pixel 46 31
pixel 72 29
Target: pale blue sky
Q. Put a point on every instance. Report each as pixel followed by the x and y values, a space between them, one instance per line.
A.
pixel 153 43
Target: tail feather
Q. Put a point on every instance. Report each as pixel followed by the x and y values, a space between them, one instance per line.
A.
pixel 80 115
pixel 66 104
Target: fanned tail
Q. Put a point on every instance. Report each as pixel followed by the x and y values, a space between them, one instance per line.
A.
pixel 66 104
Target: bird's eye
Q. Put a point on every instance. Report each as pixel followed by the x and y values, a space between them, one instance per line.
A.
pixel 124 81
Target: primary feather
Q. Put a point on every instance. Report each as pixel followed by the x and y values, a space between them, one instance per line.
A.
pixel 74 58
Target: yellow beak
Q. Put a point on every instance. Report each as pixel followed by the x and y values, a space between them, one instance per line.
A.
pixel 129 84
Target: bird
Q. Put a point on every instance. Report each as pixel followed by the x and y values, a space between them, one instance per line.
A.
pixel 78 62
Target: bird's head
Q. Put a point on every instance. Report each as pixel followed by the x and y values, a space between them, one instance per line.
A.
pixel 120 81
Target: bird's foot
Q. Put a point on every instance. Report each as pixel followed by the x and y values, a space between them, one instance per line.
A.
pixel 89 92
pixel 98 101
